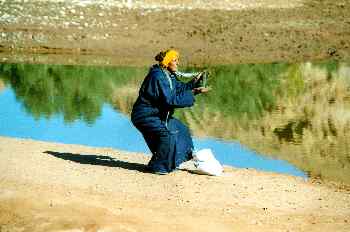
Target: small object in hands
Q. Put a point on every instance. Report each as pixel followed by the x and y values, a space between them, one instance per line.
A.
pixel 203 79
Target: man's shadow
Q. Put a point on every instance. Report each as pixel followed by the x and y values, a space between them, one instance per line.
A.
pixel 101 160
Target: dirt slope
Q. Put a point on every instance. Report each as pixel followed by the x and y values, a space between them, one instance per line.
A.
pixel 56 187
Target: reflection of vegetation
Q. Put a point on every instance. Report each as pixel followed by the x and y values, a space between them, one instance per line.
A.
pixel 321 114
pixel 76 92
pixel 243 90
pixel 124 97
pixel 240 94
pixel 309 124
pixel 296 112
pixel 2 86
pixel 292 132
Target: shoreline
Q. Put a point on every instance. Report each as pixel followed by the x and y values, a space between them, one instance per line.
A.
pixel 49 186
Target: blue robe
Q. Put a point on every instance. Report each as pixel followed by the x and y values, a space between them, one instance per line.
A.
pixel 168 138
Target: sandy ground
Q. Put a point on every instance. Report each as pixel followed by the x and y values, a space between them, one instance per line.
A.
pixel 58 187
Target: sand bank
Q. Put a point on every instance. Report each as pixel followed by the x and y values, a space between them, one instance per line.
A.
pixel 59 187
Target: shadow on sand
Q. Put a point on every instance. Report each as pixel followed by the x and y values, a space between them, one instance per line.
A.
pixel 101 160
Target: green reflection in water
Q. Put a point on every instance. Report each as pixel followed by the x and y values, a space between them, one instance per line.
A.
pixel 77 92
pixel 296 112
pixel 246 90
pixel 312 127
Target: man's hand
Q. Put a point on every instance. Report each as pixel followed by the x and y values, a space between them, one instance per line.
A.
pixel 198 77
pixel 201 90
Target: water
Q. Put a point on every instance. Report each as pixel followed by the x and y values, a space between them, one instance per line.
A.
pixel 90 106
pixel 114 129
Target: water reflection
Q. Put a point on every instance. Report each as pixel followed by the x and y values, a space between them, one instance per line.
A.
pixel 76 92
pixel 114 129
pixel 296 112
pixel 304 118
pixel 2 86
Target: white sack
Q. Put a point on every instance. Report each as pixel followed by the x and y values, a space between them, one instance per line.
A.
pixel 205 163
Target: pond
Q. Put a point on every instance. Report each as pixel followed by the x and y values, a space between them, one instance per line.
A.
pixel 285 118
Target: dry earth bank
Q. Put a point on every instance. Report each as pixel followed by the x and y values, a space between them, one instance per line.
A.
pixel 57 187
pixel 113 32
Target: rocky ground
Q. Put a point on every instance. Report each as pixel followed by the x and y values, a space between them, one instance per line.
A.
pixel 212 32
pixel 57 187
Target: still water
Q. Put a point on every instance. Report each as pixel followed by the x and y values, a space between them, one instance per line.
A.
pixel 291 119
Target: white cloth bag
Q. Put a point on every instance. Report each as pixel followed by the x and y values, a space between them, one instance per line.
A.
pixel 206 163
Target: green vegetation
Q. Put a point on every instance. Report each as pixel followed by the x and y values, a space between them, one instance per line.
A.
pixel 77 92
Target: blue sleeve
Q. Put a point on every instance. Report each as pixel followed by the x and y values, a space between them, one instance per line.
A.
pixel 180 86
pixel 172 97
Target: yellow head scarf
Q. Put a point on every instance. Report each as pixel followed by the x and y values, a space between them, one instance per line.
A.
pixel 169 56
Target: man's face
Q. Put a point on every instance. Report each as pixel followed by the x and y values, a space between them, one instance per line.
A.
pixel 172 66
